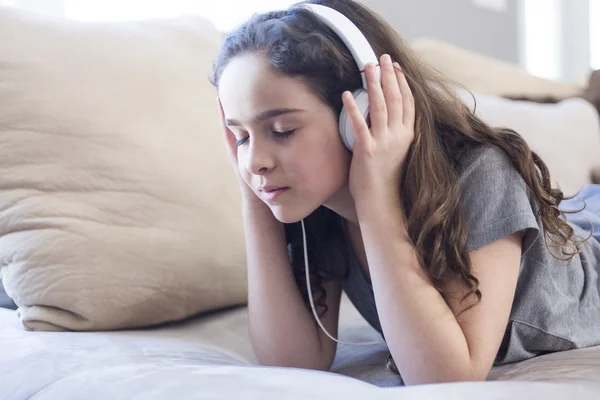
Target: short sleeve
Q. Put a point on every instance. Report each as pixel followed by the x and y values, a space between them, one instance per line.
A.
pixel 496 200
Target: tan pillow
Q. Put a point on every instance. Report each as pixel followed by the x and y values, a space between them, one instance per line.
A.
pixel 119 206
pixel 592 91
pixel 487 75
pixel 566 135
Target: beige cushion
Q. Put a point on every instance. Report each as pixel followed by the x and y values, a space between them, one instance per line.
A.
pixel 566 135
pixel 119 206
pixel 487 75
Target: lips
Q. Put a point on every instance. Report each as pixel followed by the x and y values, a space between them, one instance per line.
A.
pixel 269 189
pixel 274 189
pixel 272 193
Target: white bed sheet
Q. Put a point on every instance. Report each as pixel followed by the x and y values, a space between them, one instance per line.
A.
pixel 210 357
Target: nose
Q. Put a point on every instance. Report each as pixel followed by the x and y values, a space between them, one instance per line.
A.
pixel 259 159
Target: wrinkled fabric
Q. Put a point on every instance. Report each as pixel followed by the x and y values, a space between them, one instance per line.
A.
pixel 588 201
pixel 210 357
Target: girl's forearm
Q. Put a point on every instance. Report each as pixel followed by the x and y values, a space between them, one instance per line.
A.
pixel 282 331
pixel 423 335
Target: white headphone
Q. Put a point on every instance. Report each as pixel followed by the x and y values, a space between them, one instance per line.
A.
pixel 363 54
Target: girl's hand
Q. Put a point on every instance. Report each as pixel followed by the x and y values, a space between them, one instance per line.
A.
pixel 379 153
pixel 231 145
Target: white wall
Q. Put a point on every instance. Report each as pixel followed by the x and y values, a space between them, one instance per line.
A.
pixel 549 38
pixel 555 38
pixel 46 7
pixel 492 31
pixel 594 22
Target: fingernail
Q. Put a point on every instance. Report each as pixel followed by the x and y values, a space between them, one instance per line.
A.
pixel 397 66
pixel 387 58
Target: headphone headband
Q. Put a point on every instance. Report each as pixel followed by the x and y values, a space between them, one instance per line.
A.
pixel 350 34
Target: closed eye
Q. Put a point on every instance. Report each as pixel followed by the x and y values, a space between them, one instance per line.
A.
pixel 283 134
pixel 276 133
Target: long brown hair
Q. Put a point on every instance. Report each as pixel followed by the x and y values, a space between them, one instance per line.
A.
pixel 296 43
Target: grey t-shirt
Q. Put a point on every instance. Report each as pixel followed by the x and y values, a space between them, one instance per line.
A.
pixel 557 304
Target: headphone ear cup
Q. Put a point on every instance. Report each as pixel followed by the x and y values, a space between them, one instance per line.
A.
pixel 361 98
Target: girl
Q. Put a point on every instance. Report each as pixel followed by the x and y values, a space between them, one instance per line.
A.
pixel 443 231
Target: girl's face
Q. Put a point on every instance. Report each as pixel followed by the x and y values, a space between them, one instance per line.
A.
pixel 309 157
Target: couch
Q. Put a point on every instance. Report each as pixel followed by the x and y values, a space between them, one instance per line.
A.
pixel 121 245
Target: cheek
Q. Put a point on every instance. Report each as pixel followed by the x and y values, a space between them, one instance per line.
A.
pixel 326 168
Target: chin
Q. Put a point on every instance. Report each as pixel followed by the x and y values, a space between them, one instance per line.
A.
pixel 289 215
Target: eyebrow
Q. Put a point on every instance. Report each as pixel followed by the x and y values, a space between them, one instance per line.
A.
pixel 265 115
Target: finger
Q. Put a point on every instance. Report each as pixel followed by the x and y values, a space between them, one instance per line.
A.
pixel 391 92
pixel 408 100
pixel 357 120
pixel 377 108
pixel 220 107
pixel 229 137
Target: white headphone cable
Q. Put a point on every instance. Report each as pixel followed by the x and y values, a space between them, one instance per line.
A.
pixel 310 298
